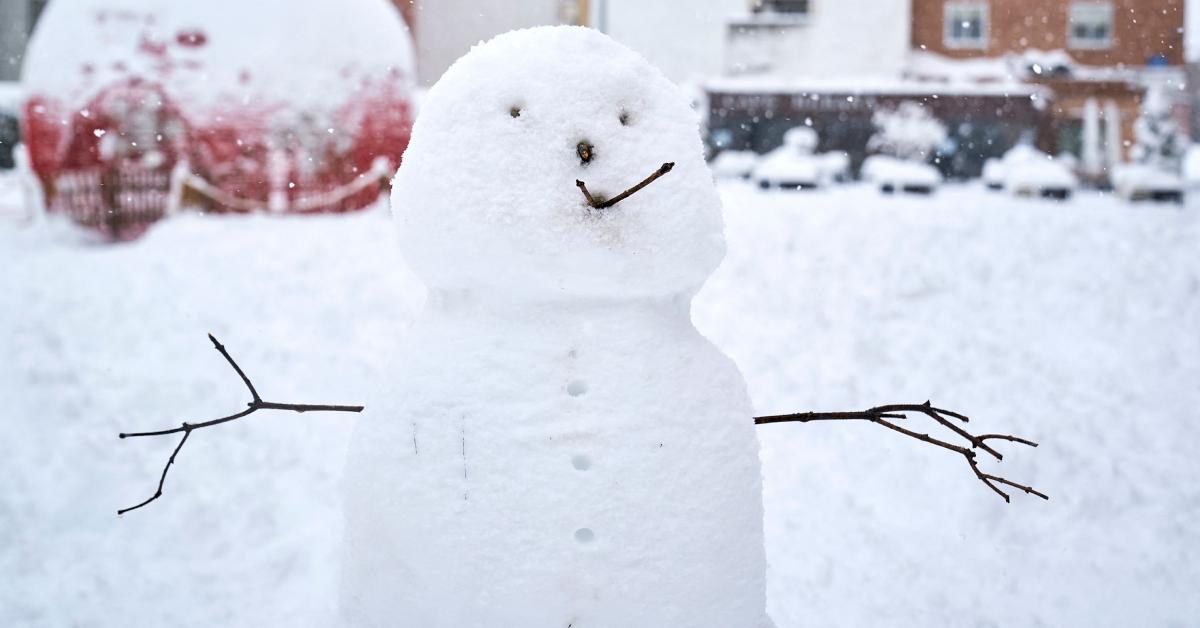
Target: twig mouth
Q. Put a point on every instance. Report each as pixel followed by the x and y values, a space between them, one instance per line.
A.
pixel 598 202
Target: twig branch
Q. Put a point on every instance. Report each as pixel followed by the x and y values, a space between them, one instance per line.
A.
pixel 597 204
pixel 591 201
pixel 256 403
pixel 883 415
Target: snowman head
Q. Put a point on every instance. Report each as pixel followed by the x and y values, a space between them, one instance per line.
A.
pixel 486 198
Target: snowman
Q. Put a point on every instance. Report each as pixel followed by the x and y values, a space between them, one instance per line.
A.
pixel 556 445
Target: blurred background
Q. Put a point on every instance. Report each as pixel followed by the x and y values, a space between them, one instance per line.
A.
pixel 986 203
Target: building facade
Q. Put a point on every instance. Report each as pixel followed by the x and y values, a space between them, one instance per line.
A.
pixel 1106 52
pixel 995 71
pixel 1102 33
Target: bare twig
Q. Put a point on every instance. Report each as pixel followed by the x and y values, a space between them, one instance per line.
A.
pixel 253 406
pixel 595 203
pixel 591 201
pixel 883 415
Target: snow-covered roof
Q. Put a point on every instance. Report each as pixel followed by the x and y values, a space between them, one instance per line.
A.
pixel 1030 65
pixel 301 52
pixel 865 85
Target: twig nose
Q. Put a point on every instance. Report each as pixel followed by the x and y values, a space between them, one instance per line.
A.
pixel 585 151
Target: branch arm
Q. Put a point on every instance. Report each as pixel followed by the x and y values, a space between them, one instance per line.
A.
pixel 884 415
pixel 253 406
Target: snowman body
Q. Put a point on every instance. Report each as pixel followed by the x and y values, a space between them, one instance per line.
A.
pixel 555 444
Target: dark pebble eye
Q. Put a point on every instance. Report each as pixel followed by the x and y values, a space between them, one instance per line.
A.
pixel 624 118
pixel 515 112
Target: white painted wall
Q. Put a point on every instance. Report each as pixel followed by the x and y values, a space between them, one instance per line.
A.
pixel 686 39
pixel 840 39
pixel 446 29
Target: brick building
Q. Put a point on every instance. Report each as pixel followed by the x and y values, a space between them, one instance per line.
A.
pixel 1104 50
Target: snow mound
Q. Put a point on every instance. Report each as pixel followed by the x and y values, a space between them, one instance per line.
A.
pixel 486 198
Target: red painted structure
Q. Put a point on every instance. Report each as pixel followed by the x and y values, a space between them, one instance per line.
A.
pixel 136 146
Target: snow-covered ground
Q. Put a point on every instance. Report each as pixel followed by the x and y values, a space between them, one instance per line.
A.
pixel 1076 324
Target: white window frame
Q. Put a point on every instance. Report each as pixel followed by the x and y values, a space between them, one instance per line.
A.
pixel 952 15
pixel 1092 12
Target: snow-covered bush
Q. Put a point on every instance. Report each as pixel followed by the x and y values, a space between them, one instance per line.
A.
pixel 1157 155
pixel 908 132
pixel 1158 140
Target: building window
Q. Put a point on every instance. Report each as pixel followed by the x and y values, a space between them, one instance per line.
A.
pixel 791 7
pixel 966 25
pixel 1090 25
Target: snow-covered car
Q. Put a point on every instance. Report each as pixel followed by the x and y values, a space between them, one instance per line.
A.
pixel 795 165
pixel 993 174
pixel 835 166
pixel 734 164
pixel 785 168
pixel 892 175
pixel 1030 172
pixel 1026 171
pixel 1142 182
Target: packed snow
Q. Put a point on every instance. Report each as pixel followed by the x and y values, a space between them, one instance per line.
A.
pixel 1074 324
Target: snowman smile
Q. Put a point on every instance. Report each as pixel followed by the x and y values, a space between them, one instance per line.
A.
pixel 598 201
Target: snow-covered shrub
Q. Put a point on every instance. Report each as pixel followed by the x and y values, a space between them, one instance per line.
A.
pixel 1158 140
pixel 908 132
pixel 1157 155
